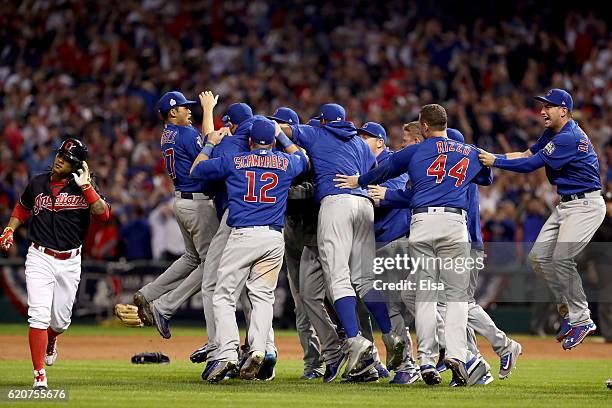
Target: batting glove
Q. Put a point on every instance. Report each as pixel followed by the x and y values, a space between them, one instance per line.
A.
pixel 6 240
pixel 81 177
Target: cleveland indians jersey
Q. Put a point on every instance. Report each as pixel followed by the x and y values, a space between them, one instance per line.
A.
pixel 58 221
pixel 257 184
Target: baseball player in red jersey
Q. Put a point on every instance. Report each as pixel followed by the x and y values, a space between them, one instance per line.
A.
pixel 60 203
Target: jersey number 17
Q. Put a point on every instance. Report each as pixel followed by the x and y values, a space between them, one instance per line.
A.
pixel 437 169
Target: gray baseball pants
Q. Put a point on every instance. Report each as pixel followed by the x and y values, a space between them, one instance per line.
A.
pixel 294 245
pixel 440 238
pixel 313 291
pixel 253 257
pixel 345 237
pixel 198 222
pixel 565 234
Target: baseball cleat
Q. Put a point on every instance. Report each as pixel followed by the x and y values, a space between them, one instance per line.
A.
pixel 144 310
pixel 395 349
pixel 312 374
pixel 200 355
pixel 333 369
pixel 440 366
pixel 369 376
pixel 162 324
pixel 40 380
pixel 430 375
pixel 564 330
pixel 476 369
pixel 267 371
pixel 406 377
pixel 485 380
pixel 359 352
pixel 251 367
pixel 508 361
pixel 206 372
pixel 577 335
pixel 51 353
pixel 457 367
pixel 382 370
pixel 218 370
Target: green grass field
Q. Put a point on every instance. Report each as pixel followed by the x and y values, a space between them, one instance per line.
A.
pixel 100 383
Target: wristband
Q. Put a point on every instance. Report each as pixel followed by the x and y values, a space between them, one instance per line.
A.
pixel 91 196
pixel 284 140
pixel 207 149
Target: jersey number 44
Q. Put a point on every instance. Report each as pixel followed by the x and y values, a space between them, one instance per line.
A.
pixel 437 169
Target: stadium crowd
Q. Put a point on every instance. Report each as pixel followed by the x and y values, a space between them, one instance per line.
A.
pixel 95 69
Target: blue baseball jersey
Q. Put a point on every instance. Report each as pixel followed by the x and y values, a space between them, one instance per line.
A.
pixel 473 210
pixel 257 184
pixel 334 148
pixel 180 146
pixel 229 146
pixel 391 223
pixel 571 163
pixel 440 170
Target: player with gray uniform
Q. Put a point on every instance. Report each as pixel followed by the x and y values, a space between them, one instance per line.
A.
pixel 296 234
pixel 345 230
pixel 257 184
pixel 159 300
pixel 440 171
pixel 571 164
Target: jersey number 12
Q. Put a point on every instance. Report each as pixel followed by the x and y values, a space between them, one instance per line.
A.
pixel 458 171
pixel 262 197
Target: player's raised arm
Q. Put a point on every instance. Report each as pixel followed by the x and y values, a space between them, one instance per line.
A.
pixel 208 101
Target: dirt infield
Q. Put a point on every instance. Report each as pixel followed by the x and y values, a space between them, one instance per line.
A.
pixel 85 347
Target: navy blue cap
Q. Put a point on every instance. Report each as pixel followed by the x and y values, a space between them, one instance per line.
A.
pixel 285 115
pixel 375 130
pixel 314 122
pixel 557 97
pixel 238 113
pixel 263 131
pixel 171 100
pixel 332 112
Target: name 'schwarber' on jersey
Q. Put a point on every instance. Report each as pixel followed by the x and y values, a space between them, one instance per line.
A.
pixel 257 184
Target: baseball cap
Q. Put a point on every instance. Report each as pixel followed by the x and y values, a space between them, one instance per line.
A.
pixel 263 131
pixel 557 97
pixel 238 113
pixel 375 130
pixel 285 115
pixel 171 100
pixel 314 122
pixel 455 135
pixel 332 112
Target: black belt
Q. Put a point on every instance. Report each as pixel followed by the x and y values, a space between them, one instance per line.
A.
pixel 270 227
pixel 189 196
pixel 570 197
pixel 453 210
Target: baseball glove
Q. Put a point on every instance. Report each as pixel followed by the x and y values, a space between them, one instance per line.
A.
pixel 150 358
pixel 128 314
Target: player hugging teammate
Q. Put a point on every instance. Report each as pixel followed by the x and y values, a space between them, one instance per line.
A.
pixel 58 205
pixel 427 194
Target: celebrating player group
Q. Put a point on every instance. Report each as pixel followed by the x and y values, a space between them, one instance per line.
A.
pixel 327 199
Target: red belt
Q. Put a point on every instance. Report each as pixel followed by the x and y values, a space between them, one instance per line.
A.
pixel 62 256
